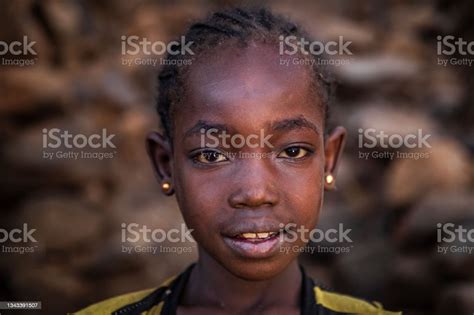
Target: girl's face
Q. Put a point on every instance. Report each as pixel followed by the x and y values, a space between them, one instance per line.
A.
pixel 259 167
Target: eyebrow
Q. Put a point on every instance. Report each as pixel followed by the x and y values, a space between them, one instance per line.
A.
pixel 202 124
pixel 289 124
pixel 294 124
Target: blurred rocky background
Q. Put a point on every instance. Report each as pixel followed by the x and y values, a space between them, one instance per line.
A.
pixel 392 83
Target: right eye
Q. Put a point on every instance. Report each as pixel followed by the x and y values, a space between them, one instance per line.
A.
pixel 295 153
pixel 209 157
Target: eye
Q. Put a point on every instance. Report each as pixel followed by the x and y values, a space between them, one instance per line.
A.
pixel 294 153
pixel 209 157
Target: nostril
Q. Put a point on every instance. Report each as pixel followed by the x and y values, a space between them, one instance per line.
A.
pixel 253 199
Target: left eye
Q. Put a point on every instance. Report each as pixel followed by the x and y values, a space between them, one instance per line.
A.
pixel 294 153
pixel 208 157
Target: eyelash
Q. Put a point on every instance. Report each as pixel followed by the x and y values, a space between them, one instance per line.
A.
pixel 206 153
pixel 308 152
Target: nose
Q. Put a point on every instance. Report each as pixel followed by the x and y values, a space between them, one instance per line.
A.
pixel 255 186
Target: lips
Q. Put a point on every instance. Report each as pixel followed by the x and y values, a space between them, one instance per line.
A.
pixel 254 239
pixel 251 228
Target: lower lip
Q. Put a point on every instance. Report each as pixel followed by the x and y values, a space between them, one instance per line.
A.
pixel 254 249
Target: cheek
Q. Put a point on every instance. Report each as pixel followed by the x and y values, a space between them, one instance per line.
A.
pixel 197 199
pixel 305 191
pixel 311 202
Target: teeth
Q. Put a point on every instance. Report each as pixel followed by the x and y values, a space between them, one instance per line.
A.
pixel 249 235
pixel 257 235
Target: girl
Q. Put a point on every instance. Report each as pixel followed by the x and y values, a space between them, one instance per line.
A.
pixel 247 93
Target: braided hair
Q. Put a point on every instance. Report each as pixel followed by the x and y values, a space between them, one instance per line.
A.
pixel 235 26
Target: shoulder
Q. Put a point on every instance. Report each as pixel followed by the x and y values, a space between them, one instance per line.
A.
pixel 340 303
pixel 119 302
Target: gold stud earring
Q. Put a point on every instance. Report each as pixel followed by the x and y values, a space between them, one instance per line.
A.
pixel 166 187
pixel 329 179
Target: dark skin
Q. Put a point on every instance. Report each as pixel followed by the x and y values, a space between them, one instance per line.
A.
pixel 245 91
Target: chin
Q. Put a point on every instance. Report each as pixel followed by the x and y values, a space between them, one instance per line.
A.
pixel 258 270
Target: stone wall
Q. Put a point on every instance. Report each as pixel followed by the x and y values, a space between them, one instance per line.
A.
pixel 392 199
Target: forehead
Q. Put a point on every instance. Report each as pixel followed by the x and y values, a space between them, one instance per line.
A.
pixel 256 72
pixel 246 88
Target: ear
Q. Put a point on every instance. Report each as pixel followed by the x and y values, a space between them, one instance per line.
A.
pixel 160 154
pixel 332 151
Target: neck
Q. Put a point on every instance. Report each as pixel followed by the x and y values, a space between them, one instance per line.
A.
pixel 213 286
